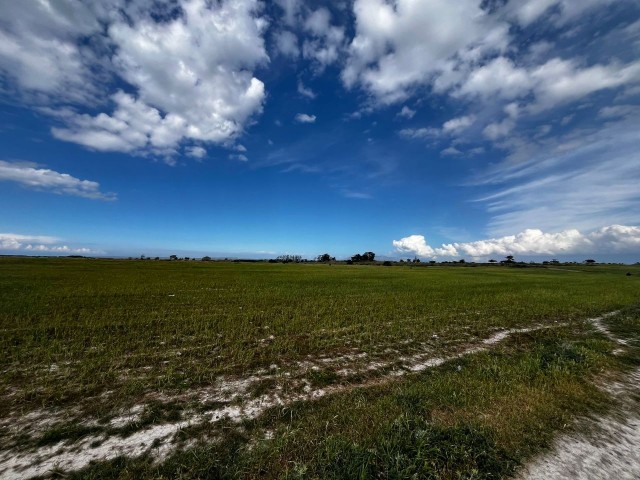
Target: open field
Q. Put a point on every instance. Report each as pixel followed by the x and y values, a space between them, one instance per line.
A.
pixel 255 370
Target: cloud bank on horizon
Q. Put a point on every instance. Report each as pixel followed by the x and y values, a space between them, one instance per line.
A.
pixel 41 245
pixel 515 115
pixel 611 239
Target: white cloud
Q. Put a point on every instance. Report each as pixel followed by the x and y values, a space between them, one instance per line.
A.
pixel 617 238
pixel 239 157
pixel 357 195
pixel 406 112
pixel 561 81
pixel 326 41
pixel 401 46
pixel 319 21
pixel 617 111
pixel 584 178
pixel 424 132
pixel 611 239
pixel 417 245
pixel 291 10
pixel 196 152
pixel 555 82
pixel 305 91
pixel 497 130
pixel 28 175
pixel 40 244
pixel 287 44
pixel 451 152
pixel 190 74
pixel 530 241
pixel 39 51
pixel 456 125
pixel 305 118
pixel 528 11
pixel 566 120
pixel 498 77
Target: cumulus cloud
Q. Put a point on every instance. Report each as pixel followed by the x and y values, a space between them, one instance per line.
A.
pixel 555 82
pixel 456 125
pixel 305 118
pixel 401 46
pixel 500 77
pixel 610 239
pixel 469 50
pixel 39 50
pixel 451 152
pixel 417 245
pixel 190 74
pixel 196 152
pixel 38 244
pixel 43 179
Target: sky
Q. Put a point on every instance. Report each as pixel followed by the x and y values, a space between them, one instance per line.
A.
pixel 471 129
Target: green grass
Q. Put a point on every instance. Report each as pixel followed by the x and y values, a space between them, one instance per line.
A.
pixel 96 336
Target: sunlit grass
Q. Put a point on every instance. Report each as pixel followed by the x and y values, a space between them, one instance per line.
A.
pixel 93 336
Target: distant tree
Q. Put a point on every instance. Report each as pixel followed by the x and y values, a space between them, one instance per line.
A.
pixel 206 259
pixel 590 261
pixel 509 259
pixel 432 262
pixel 289 258
pixel 365 257
pixel 387 263
pixel 416 260
pixel 157 258
pixel 462 260
pixel 325 257
pixel 493 261
pixel 173 257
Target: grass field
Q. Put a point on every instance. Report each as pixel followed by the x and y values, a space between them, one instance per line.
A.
pixel 255 370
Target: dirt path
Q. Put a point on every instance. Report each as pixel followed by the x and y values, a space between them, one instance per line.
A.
pixel 233 402
pixel 610 448
pixel 606 447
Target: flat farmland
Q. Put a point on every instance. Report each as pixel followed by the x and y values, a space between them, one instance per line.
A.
pixel 158 369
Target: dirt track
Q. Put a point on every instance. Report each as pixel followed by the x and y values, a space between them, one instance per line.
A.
pixel 609 448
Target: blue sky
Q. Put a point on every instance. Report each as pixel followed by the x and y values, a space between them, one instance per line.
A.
pixel 469 129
